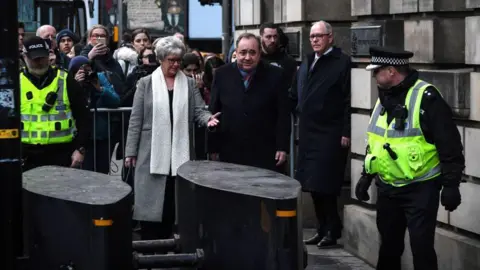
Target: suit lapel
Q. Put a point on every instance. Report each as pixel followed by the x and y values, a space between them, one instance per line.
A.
pixel 309 78
pixel 236 79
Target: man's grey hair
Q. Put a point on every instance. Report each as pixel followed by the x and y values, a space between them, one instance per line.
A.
pixel 41 29
pixel 328 27
pixel 248 35
pixel 169 46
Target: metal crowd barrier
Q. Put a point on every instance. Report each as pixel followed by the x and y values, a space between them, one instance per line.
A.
pixel 99 111
pixel 119 114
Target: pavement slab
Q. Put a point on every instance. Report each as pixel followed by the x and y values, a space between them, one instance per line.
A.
pixel 333 258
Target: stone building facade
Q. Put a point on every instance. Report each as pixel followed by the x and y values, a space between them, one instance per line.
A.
pixel 445 37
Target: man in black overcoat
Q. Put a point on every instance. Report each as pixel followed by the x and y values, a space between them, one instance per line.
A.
pixel 321 96
pixel 252 97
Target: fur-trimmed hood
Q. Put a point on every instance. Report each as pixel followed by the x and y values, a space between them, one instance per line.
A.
pixel 126 54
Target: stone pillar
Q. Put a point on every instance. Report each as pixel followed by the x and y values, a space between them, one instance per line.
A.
pixel 247 12
pixel 288 11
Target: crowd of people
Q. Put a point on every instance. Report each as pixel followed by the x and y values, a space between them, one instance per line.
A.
pixel 67 80
pixel 251 96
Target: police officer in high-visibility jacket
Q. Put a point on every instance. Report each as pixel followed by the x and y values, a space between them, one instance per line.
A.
pixel 54 113
pixel 414 150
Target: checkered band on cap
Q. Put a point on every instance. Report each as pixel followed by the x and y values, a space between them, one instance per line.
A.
pixel 381 60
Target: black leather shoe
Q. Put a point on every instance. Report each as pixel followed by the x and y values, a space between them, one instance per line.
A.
pixel 328 241
pixel 313 240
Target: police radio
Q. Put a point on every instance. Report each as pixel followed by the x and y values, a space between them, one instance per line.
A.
pixel 400 113
pixel 49 101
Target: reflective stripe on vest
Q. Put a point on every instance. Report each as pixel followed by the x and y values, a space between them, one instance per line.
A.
pixel 409 131
pixel 417 159
pixel 45 134
pixel 41 127
pixel 45 118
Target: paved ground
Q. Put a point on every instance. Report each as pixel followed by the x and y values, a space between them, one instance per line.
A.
pixel 326 259
pixel 332 259
pixel 318 259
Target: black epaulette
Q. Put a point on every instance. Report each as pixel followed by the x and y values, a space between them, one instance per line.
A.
pixel 431 93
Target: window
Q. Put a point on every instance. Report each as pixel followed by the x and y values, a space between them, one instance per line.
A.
pixel 63 15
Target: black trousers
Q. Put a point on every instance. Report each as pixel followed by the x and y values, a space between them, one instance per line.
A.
pixel 327 214
pixel 164 229
pixel 99 158
pixel 414 207
pixel 200 143
pixel 62 157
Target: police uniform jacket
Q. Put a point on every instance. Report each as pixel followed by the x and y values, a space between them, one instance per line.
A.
pixel 436 123
pixel 80 114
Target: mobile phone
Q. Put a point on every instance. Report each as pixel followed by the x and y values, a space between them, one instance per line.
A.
pixel 102 40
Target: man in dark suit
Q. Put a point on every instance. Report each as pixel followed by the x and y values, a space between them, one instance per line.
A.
pixel 321 96
pixel 252 97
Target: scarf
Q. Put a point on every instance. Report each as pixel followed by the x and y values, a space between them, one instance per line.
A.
pixel 170 146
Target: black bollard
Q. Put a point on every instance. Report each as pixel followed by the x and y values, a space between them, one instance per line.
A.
pixel 242 217
pixel 193 260
pixel 148 246
pixel 10 146
pixel 77 220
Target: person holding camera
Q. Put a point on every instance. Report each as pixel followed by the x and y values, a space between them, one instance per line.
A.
pixel 97 51
pixel 147 63
pixel 99 93
pixel 55 119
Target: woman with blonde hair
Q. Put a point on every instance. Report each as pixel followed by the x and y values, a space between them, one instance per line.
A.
pixel 160 137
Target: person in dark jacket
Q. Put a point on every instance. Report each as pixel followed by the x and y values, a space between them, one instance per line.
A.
pixel 252 98
pixel 49 32
pixel 273 54
pixel 100 93
pixel 411 128
pixel 321 97
pixel 97 50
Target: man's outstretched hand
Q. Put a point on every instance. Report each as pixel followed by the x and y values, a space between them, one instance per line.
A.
pixel 213 121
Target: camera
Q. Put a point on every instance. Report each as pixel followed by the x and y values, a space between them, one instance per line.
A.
pixel 49 101
pixel 145 70
pixel 151 59
pixel 90 75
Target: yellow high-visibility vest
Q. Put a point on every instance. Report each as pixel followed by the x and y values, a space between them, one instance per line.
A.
pixel 40 127
pixel 417 160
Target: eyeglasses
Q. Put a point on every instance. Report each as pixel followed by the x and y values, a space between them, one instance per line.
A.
pixel 319 36
pixel 172 61
pixel 99 35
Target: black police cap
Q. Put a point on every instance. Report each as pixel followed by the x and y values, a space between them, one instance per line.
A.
pixel 384 56
pixel 36 47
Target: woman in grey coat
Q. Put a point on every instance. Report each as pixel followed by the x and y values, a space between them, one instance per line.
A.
pixel 160 137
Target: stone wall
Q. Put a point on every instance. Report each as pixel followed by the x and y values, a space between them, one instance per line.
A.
pixel 445 37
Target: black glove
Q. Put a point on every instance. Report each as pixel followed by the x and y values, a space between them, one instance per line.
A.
pixel 361 189
pixel 451 178
pixel 451 197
